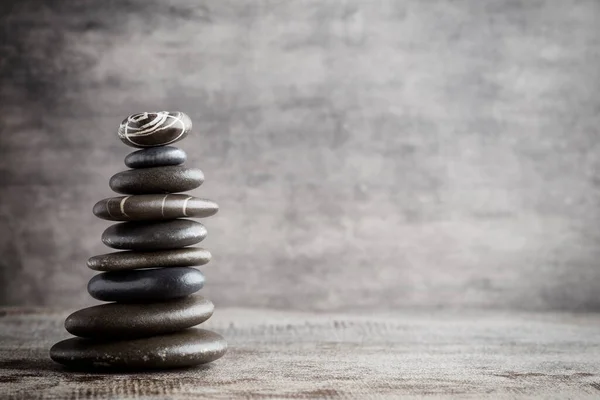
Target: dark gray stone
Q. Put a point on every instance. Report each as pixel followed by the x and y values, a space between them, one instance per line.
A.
pixel 156 180
pixel 147 236
pixel 150 129
pixel 156 157
pixel 154 207
pixel 127 260
pixel 182 349
pixel 146 285
pixel 116 320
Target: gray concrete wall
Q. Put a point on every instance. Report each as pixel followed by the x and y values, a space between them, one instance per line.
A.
pixel 365 154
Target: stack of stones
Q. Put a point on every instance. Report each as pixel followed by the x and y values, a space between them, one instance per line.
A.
pixel 148 323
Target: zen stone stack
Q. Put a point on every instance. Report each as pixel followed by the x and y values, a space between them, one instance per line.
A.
pixel 152 311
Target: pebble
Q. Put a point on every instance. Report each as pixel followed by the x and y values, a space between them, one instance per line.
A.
pixel 154 207
pixel 151 129
pixel 156 157
pixel 127 260
pixel 182 349
pixel 131 320
pixel 146 285
pixel 151 235
pixel 156 180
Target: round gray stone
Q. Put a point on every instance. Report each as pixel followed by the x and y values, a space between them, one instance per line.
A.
pixel 146 285
pixel 127 260
pixel 182 349
pixel 151 129
pixel 156 157
pixel 147 236
pixel 117 320
pixel 171 179
pixel 154 207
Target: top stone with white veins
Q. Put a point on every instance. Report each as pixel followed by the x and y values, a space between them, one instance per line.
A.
pixel 151 129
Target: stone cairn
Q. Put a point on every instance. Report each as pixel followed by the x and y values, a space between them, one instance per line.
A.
pixel 148 323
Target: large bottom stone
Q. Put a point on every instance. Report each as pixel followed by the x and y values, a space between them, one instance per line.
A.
pixel 125 321
pixel 182 349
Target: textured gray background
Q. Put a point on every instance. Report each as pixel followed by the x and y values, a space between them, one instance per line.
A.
pixel 365 154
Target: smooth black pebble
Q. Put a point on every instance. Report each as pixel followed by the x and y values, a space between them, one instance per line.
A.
pixel 156 180
pixel 146 284
pixel 127 260
pixel 156 157
pixel 182 349
pixel 147 236
pixel 130 320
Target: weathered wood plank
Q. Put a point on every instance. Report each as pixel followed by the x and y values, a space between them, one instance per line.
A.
pixel 300 355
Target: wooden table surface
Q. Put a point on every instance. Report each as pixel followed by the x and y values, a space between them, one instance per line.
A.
pixel 291 355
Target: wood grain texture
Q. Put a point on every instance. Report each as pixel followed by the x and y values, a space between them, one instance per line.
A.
pixel 293 355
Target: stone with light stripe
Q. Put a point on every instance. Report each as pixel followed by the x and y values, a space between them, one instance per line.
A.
pixel 150 129
pixel 154 207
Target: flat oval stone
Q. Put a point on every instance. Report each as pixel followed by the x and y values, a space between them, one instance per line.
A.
pixel 151 129
pixel 147 236
pixel 154 207
pixel 146 285
pixel 182 349
pixel 126 260
pixel 118 320
pixel 155 180
pixel 156 157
